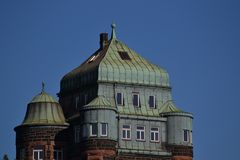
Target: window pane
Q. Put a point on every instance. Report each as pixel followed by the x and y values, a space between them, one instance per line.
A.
pixel 124 134
pixel 138 135
pixel 119 99
pixel 156 137
pixel 55 155
pixel 136 100
pixel 35 154
pixel 104 129
pixel 152 101
pixel 128 134
pixel 41 154
pixel 94 129
pixel 185 135
pixel 152 136
pixel 142 136
pixel 140 127
pixel 126 126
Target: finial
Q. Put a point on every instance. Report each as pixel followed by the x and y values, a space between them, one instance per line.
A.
pixel 113 31
pixel 43 87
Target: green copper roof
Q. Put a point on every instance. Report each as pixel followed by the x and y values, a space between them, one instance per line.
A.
pixel 99 102
pixel 44 110
pixel 108 65
pixel 169 107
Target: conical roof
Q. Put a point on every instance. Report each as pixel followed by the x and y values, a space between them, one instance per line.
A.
pixel 115 63
pixel 44 110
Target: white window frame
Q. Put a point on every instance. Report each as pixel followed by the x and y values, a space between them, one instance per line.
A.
pixel 141 131
pixel 101 131
pixel 154 102
pixel 122 98
pixel 126 130
pixel 154 134
pixel 188 135
pixel 91 129
pixel 138 100
pixel 77 132
pixel 38 153
pixel 58 151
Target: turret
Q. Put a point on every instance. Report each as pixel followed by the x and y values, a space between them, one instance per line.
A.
pixel 42 132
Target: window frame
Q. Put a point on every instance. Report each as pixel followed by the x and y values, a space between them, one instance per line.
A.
pixel 154 134
pixel 154 102
pixel 141 131
pixel 77 132
pixel 126 130
pixel 138 99
pixel 91 130
pixel 58 151
pixel 38 151
pixel 186 135
pixel 122 99
pixel 101 130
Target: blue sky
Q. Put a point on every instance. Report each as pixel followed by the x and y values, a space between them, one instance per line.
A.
pixel 198 42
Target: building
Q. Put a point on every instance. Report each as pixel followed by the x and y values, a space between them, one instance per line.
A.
pixel 117 105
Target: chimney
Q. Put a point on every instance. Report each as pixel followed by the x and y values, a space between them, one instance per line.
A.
pixel 103 40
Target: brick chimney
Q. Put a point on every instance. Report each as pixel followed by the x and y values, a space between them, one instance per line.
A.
pixel 103 40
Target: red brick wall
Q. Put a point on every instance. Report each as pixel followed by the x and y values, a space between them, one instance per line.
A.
pixel 40 137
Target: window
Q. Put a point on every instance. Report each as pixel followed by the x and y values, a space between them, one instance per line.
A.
pixel 93 129
pixel 92 58
pixel 104 129
pixel 186 135
pixel 58 154
pixel 85 98
pixel 76 101
pixel 38 154
pixel 154 134
pixel 120 99
pixel 22 154
pixel 152 102
pixel 77 134
pixel 124 55
pixel 136 100
pixel 126 132
pixel 140 133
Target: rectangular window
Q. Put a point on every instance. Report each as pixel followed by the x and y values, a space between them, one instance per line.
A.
pixel 85 98
pixel 38 154
pixel 120 99
pixel 152 102
pixel 58 154
pixel 154 134
pixel 93 129
pixel 76 101
pixel 124 55
pixel 136 100
pixel 22 154
pixel 140 133
pixel 186 135
pixel 104 129
pixel 77 134
pixel 126 132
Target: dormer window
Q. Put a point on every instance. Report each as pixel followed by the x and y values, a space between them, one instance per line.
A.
pixel 120 100
pixel 92 58
pixel 124 55
pixel 136 100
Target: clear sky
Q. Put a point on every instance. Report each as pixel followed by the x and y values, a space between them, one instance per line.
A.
pixel 197 41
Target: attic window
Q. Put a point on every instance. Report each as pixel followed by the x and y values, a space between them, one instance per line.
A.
pixel 124 55
pixel 92 58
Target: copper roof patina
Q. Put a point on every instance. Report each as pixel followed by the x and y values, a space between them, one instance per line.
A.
pixel 117 63
pixel 44 110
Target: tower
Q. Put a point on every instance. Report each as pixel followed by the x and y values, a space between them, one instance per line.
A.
pixel 120 106
pixel 42 136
